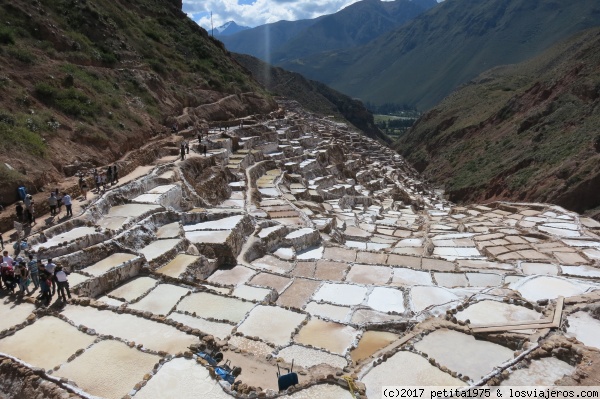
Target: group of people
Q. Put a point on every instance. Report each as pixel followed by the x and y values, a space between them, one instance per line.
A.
pixel 25 210
pixel 57 200
pixel 109 177
pixel 48 277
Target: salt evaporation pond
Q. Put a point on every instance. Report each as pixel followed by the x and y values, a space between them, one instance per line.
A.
pixel 67 236
pixel 272 324
pixel 219 330
pixel 133 289
pixel 227 223
pixel 170 230
pixel 463 353
pixel 422 298
pixel 207 305
pixel 101 267
pixel 235 276
pixel 325 310
pixel 341 294
pixel 330 336
pixel 410 277
pixel 258 348
pixel 250 293
pixel 371 342
pixel 367 274
pixel 178 265
pixel 386 300
pixel 545 371
pixel 309 357
pixel 12 314
pixel 394 371
pixel 62 339
pixel 158 248
pixel 546 287
pixel 182 378
pixel 323 391
pixel 153 335
pixel 496 312
pixel 585 328
pixel 161 299
pixel 109 369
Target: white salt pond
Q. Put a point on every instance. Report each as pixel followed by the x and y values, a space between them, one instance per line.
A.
pixel 208 236
pixel 63 341
pixel 153 335
pixel 170 230
pixel 583 271
pixel 258 348
pixel 585 328
pixel 207 305
pixel 410 277
pixel 546 287
pixel 109 369
pixel 309 357
pixel 463 353
pixel 272 324
pixel 322 391
pixel 327 335
pixel 12 314
pixel 341 294
pixel 386 300
pixel 158 248
pixel 370 342
pixel 251 293
pixel 133 289
pixel 178 265
pixel 67 236
pixel 369 274
pixel 114 260
pixel 161 299
pixel 77 278
pixel 312 253
pixel 496 312
pixel 545 371
pixel 219 330
pixel 183 379
pixel 422 298
pixel 227 223
pixel 416 371
pixel 327 311
pixel 237 275
pixel 131 210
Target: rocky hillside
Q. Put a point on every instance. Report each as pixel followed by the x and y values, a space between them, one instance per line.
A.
pixel 83 82
pixel 421 62
pixel 314 96
pixel 524 132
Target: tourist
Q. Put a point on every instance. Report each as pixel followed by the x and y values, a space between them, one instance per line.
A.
pixel 182 150
pixel 19 211
pixel 30 213
pixel 115 174
pixel 8 273
pixel 187 147
pixel 52 202
pixel 59 201
pixel 109 175
pixel 204 149
pixel 103 182
pixel 18 246
pixel 63 283
pixel 97 180
pixel 84 189
pixel 68 204
pixel 45 283
pixel 7 258
pixel 23 278
pixel 34 271
pixel 1 241
pixel 50 268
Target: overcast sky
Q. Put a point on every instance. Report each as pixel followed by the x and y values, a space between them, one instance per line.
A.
pixel 258 12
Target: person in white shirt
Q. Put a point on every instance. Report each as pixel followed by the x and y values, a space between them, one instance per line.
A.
pixel 66 200
pixel 63 283
pixel 7 259
pixel 50 268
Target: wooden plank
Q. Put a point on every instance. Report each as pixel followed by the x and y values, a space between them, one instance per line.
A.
pixel 560 302
pixel 514 323
pixel 554 324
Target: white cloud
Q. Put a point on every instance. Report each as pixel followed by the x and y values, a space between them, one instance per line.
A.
pixel 258 12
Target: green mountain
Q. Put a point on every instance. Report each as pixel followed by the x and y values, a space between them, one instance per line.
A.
pixel 423 61
pixel 352 26
pixel 522 132
pixel 314 96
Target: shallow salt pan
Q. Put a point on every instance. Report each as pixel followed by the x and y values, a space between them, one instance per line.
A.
pixel 419 373
pixel 325 310
pixel 341 294
pixel 170 230
pixel 116 259
pixel 333 337
pixel 315 253
pixel 214 306
pixel 227 223
pixel 208 236
pixel 250 293
pixel 323 391
pixel 308 357
pixel 281 324
pixel 12 314
pixel 585 328
pixel 463 353
pixel 47 343
pixel 68 236
pixel 158 248
pixel 423 297
pixel 219 330
pixel 109 369
pixel 161 299
pixel 133 289
pixel 386 300
pixel 545 371
pixel 369 274
pixel 131 210
pixel 584 271
pixel 410 277
pixel 235 276
pixel 258 348
pixel 371 342
pixel 153 335
pixel 182 378
pixel 178 265
pixel 495 312
pixel 545 287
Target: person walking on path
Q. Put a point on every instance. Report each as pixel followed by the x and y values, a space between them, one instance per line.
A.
pixel 50 268
pixel 45 283
pixel 59 201
pixel 115 174
pixel 182 151
pixel 23 279
pixel 8 275
pixel 19 211
pixel 68 204
pixel 204 149
pixel 52 202
pixel 34 271
pixel 109 175
pixel 1 241
pixel 84 190
pixel 63 283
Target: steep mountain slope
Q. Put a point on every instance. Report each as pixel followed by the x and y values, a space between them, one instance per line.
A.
pixel 84 82
pixel 314 96
pixel 523 132
pixel 421 62
pixel 352 26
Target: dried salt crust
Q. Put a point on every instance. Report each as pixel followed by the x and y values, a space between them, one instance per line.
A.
pixel 219 330
pixel 207 305
pixel 134 288
pixel 309 357
pixel 545 371
pixel 281 324
pixel 161 299
pixel 12 314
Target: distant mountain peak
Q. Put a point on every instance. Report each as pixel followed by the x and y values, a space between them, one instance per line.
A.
pixel 229 28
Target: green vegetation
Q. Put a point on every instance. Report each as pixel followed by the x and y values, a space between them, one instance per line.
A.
pixel 22 132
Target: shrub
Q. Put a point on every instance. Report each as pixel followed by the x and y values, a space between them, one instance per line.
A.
pixel 6 35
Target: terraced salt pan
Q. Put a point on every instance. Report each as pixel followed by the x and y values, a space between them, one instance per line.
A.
pixel 158 248
pixel 62 340
pixel 109 369
pixel 133 289
pixel 182 378
pixel 422 298
pixel 114 260
pixel 258 348
pixel 153 335
pixel 208 305
pixel 12 314
pixel 371 342
pixel 278 283
pixel 325 310
pixel 281 324
pixel 330 336
pixel 227 223
pixel 161 299
pixel 496 312
pixel 463 353
pixel 309 357
pixel 237 275
pixel 545 287
pixel 585 328
pixel 545 371
pixel 219 330
pixel 368 274
pixel 76 279
pixel 410 277
pixel 118 215
pixel 170 230
pixel 386 300
pixel 178 265
pixel 419 373
pixel 208 236
pixel 583 271
pixel 314 253
pixel 68 236
pixel 341 294
pixel 250 293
